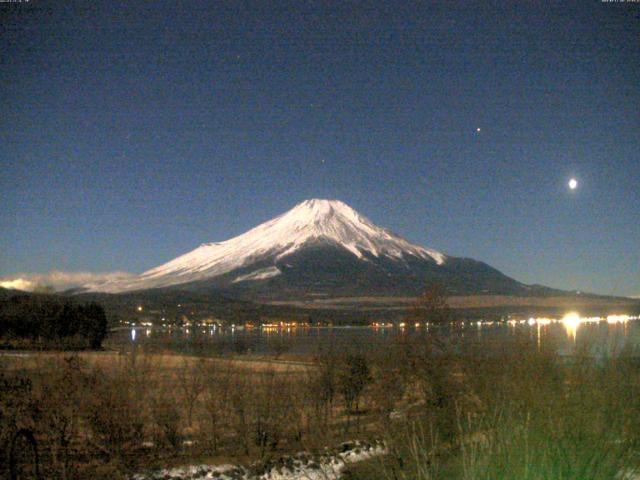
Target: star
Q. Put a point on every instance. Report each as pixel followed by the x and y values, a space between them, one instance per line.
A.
pixel 573 184
pixel 478 129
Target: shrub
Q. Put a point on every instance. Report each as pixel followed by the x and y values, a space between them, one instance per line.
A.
pixel 166 418
pixel 353 376
pixel 114 413
pixel 60 398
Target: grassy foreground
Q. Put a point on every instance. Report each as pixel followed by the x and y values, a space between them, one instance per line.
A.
pixel 519 414
pixel 490 410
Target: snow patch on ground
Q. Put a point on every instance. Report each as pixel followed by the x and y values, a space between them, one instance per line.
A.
pixel 259 274
pixel 326 466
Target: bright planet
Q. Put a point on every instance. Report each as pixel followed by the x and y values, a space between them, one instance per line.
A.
pixel 573 184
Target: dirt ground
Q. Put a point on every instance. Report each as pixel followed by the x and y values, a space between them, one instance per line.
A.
pixel 29 360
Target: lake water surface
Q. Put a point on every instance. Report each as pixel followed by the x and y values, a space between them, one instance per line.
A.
pixel 568 335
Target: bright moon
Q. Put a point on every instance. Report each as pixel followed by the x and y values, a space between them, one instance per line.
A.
pixel 573 184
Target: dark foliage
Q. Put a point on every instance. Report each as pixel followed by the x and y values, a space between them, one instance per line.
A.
pixel 353 377
pixel 44 320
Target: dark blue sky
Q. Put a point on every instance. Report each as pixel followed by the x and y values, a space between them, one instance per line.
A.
pixel 131 132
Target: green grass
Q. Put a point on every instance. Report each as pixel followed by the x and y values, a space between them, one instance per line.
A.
pixel 518 415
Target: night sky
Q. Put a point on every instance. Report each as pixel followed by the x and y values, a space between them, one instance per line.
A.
pixel 132 132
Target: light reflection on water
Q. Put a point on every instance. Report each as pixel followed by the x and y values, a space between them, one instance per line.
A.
pixel 598 335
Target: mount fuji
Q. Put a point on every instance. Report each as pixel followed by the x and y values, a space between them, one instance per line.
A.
pixel 318 248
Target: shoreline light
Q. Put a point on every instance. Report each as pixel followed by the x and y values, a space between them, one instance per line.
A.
pixel 618 318
pixel 571 322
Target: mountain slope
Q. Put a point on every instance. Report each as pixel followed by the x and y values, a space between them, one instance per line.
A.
pixel 319 247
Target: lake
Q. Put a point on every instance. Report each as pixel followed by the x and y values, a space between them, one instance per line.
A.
pixel 598 335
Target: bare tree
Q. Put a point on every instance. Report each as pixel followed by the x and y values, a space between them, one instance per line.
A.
pixel 59 399
pixel 431 306
pixel 216 403
pixel 191 378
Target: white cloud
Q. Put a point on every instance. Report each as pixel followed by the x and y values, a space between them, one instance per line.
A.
pixel 58 280
pixel 17 284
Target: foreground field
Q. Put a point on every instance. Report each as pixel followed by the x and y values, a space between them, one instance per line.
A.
pixel 507 410
pixel 166 362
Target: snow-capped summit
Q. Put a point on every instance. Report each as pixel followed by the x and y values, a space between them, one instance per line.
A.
pixel 331 221
pixel 312 223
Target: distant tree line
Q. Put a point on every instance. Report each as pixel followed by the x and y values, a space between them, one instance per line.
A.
pixel 48 321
